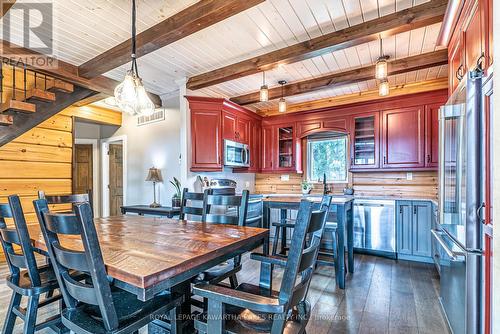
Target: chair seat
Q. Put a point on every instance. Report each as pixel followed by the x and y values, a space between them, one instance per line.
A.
pixel 219 270
pixel 249 321
pixel 130 311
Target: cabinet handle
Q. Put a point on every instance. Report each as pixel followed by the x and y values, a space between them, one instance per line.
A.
pixel 428 158
pixel 385 160
pixel 415 210
pixel 459 74
pixel 480 61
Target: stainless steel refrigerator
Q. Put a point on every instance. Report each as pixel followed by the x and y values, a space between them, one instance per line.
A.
pixel 459 235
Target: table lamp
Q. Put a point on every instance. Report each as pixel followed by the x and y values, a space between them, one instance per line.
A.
pixel 154 175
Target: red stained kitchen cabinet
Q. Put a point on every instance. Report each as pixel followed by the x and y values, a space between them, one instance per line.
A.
pixel 206 145
pixel 229 123
pixel 365 141
pixel 268 149
pixel 255 145
pixel 432 135
pixel 243 130
pixel 403 143
pixel 474 40
pixel 285 148
pixel 456 69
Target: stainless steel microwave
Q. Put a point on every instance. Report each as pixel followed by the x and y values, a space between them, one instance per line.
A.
pixel 236 154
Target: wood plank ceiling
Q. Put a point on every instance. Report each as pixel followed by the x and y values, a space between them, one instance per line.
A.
pixel 84 29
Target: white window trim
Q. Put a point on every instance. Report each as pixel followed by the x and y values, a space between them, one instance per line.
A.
pixel 308 169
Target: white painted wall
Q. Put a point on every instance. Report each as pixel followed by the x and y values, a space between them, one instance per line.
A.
pixel 496 171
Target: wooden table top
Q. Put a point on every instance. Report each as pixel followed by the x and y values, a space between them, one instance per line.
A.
pixel 142 251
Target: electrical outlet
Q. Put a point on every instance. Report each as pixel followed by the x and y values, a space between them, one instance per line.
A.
pixel 247 184
pixel 285 177
pixel 409 176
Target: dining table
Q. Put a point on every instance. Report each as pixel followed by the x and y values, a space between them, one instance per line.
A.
pixel 341 209
pixel 149 255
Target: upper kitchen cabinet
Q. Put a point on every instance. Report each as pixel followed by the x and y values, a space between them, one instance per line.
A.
pixel 432 135
pixel 474 39
pixel 456 63
pixel 235 127
pixel 403 142
pixel 365 141
pixel 206 140
pixel 214 120
pixel 278 148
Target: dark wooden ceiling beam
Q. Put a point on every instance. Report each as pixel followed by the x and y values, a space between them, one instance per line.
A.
pixel 399 66
pixel 402 21
pixel 5 5
pixel 188 21
pixel 62 70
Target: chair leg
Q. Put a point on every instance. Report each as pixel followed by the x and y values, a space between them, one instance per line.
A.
pixel 175 321
pixel 275 240
pixel 10 321
pixel 233 280
pixel 31 312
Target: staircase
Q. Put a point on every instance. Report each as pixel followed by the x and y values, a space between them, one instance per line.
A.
pixel 27 98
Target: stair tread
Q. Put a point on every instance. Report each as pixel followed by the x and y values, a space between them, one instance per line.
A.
pixel 62 86
pixel 6 120
pixel 40 95
pixel 19 106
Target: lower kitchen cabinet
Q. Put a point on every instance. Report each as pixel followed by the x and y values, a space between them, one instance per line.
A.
pixel 413 228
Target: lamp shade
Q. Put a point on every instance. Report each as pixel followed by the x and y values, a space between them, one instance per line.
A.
pixel 154 175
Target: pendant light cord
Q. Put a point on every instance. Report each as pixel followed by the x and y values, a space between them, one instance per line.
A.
pixel 134 62
pixel 380 55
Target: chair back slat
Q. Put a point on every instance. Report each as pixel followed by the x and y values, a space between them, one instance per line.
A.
pixel 254 212
pixel 188 199
pixel 17 260
pixel 10 235
pixel 236 216
pixel 64 199
pixel 302 258
pixel 82 292
pixel 98 291
pixel 63 223
pixel 18 237
pixel 70 259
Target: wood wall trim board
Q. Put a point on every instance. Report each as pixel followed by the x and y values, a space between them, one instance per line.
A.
pixel 196 17
pixel 30 169
pixel 57 122
pixel 363 97
pixel 388 25
pixel 399 66
pixel 95 114
pixel 15 151
pixel 48 137
pixel 30 187
pixel 392 102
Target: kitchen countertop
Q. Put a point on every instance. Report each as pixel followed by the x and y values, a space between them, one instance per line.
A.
pixel 338 198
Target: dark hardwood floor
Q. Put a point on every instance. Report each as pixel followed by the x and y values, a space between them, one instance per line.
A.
pixel 383 296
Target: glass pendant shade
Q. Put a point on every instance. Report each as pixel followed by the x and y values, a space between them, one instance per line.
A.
pixel 131 97
pixel 383 88
pixel 381 68
pixel 264 93
pixel 282 105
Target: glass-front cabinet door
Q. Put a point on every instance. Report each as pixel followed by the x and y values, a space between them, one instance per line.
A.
pixel 286 151
pixel 364 141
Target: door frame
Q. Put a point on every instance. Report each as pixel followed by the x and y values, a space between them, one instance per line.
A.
pixel 95 170
pixel 105 171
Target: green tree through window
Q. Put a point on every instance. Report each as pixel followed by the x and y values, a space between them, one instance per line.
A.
pixel 327 156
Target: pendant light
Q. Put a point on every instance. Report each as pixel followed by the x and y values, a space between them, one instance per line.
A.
pixel 130 95
pixel 381 65
pixel 383 88
pixel 282 101
pixel 264 90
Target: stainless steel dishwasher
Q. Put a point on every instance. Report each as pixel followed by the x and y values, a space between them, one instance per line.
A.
pixel 375 227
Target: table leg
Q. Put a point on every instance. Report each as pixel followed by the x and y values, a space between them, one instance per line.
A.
pixel 266 270
pixel 283 217
pixel 340 267
pixel 350 238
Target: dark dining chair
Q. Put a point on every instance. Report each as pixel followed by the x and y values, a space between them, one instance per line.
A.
pixel 26 278
pixel 255 309
pixel 187 210
pixel 224 209
pixel 66 199
pixel 94 306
